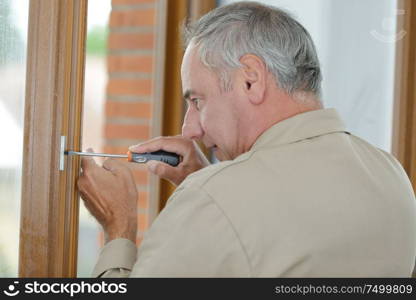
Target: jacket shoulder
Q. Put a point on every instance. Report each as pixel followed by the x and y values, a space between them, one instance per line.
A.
pixel 215 171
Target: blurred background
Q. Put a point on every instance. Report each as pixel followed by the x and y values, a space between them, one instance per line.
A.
pixel 13 42
pixel 96 77
pixel 127 100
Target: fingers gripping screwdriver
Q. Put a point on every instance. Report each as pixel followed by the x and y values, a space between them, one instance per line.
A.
pixel 163 156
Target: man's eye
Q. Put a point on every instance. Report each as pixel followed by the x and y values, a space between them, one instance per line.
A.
pixel 197 102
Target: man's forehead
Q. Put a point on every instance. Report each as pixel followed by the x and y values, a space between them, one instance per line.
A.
pixel 196 77
pixel 189 58
pixel 192 70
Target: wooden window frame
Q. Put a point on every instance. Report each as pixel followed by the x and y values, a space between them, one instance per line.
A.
pixel 173 106
pixel 404 110
pixel 53 108
pixel 158 105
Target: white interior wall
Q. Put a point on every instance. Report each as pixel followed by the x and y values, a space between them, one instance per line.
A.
pixel 355 40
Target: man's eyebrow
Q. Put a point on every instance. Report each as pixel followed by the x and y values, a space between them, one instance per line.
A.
pixel 188 94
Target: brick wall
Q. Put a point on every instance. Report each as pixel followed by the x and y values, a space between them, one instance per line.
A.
pixel 128 109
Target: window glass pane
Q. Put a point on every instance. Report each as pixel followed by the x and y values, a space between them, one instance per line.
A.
pixel 13 40
pixel 355 41
pixel 90 237
pixel 118 102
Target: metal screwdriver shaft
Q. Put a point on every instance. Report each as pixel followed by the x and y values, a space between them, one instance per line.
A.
pixel 95 154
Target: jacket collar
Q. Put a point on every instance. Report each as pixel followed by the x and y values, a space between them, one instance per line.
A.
pixel 300 127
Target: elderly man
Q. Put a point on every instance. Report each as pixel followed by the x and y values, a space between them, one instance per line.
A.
pixel 295 195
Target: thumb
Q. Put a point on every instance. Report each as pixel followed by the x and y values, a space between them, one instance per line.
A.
pixel 87 162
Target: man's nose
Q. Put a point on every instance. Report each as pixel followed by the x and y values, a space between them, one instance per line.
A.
pixel 191 127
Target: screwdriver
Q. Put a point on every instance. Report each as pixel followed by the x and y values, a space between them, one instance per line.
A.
pixel 163 156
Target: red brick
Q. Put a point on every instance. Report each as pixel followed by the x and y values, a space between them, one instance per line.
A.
pixel 115 2
pixel 131 41
pixel 122 131
pixel 115 150
pixel 132 18
pixel 143 201
pixel 141 177
pixel 128 109
pixel 142 222
pixel 118 63
pixel 142 87
pixel 130 64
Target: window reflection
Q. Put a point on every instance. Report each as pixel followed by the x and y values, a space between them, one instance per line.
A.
pixel 118 102
pixel 90 237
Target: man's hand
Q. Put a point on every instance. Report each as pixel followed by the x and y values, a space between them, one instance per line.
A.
pixel 192 157
pixel 109 193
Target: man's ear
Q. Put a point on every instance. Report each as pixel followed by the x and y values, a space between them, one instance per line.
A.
pixel 254 74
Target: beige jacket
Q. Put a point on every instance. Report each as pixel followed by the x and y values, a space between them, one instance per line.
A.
pixel 308 200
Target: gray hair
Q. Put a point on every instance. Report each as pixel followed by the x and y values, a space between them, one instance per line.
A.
pixel 228 32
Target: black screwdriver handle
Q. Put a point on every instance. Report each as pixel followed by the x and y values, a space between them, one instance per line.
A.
pixel 163 156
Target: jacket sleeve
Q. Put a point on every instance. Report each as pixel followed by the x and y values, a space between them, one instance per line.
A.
pixel 116 259
pixel 192 237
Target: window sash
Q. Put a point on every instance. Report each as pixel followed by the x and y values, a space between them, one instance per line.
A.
pixel 53 108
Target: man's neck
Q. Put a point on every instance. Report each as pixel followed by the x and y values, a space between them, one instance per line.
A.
pixel 280 108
